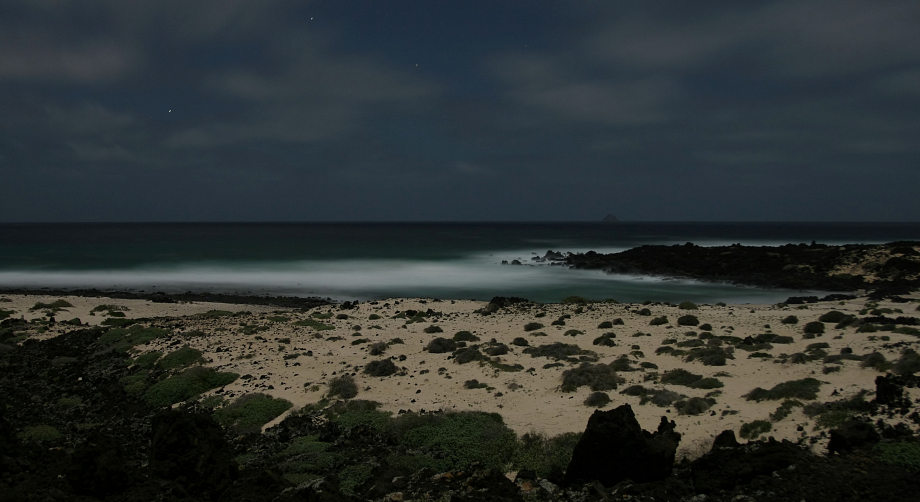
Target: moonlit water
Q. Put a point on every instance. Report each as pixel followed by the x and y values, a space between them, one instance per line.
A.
pixel 368 261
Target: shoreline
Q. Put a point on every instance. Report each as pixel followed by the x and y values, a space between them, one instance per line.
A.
pixel 293 352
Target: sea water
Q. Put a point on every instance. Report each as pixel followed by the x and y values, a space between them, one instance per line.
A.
pixel 378 260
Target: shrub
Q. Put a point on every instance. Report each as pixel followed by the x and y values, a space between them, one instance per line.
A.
pixel 597 400
pixel 908 363
pixel 465 336
pixel 498 349
pixel 433 329
pixel 520 342
pixel 546 457
pixel 41 433
pixel 687 320
pixel 557 351
pixel 458 440
pixel 187 384
pixel 753 429
pixel 440 345
pixel 806 388
pixel 466 355
pixel 706 327
pixel 597 376
pixel 532 326
pixel 814 328
pixel 380 368
pixel 658 321
pixel 876 361
pixel 180 358
pixel 605 325
pixel 474 384
pixel 687 306
pixel 683 377
pixel 576 300
pixel 607 340
pixel 54 307
pixel 791 319
pixel 644 312
pixel 358 413
pixel 125 338
pixel 694 405
pixel 343 386
pixel 377 348
pixel 147 359
pixel 250 412
pixel 833 316
pixel 901 453
pixel 784 409
pixel 316 325
pixel 573 332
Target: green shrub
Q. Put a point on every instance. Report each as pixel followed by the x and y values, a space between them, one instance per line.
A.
pixel 474 384
pixel 180 358
pixel 465 336
pixel 694 405
pixel 806 388
pixel 683 377
pixel 381 368
pixel 377 348
pixel 440 345
pixel 547 457
pixel 753 429
pixel 520 342
pixel 433 329
pixel 41 433
pixel 791 319
pixel 185 385
pixel 687 320
pixel 596 376
pixel 573 332
pixel 458 440
pixel 557 350
pixel 250 412
pixel 54 307
pixel 833 316
pixel 901 453
pixel 607 340
pixel 784 409
pixel 373 317
pixel 343 386
pixel 574 300
pixel 814 328
pixel 876 361
pixel 597 400
pixel 315 325
pixel 644 312
pixel 532 326
pixel 658 321
pixel 321 315
pixel 605 325
pixel 467 354
pixel 687 306
pixel 147 359
pixel 358 413
pixel 125 338
pixel 908 363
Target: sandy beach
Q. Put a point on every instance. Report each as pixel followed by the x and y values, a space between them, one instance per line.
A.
pixel 293 354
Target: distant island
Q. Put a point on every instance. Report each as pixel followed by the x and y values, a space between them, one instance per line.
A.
pixel 610 218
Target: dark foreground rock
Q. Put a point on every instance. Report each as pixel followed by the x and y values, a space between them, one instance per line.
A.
pixel 614 447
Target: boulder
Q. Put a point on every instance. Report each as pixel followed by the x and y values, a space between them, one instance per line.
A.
pixel 614 447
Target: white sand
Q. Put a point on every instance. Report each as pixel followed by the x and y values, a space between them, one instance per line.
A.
pixel 528 400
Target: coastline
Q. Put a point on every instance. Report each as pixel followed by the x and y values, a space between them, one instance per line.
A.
pixel 289 353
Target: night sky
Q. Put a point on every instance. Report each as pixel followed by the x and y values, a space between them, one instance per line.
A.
pixel 241 110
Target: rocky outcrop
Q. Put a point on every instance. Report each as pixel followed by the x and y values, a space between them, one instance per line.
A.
pixel 614 447
pixel 796 266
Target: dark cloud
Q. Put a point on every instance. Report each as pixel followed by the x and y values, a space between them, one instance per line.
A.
pixel 238 110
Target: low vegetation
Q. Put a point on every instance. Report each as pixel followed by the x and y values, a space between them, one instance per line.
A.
pixel 250 412
pixel 806 388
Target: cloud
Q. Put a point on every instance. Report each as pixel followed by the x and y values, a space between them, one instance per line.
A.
pixel 40 59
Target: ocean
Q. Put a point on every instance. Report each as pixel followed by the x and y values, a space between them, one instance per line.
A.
pixel 363 261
